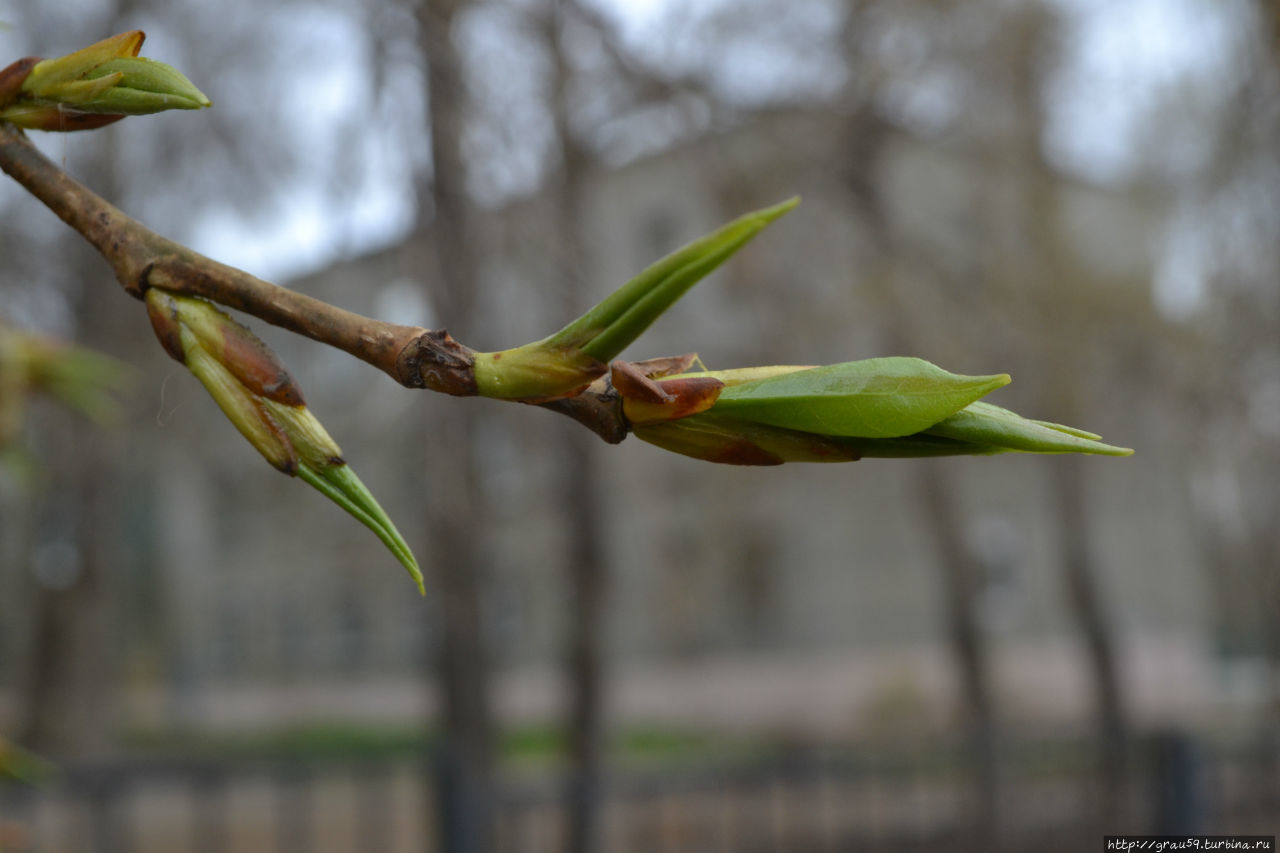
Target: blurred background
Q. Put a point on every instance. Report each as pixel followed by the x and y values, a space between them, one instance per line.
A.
pixel 623 650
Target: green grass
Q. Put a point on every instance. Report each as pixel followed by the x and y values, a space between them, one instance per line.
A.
pixel 526 745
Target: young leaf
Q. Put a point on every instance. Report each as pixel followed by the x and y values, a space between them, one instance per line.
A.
pixel 609 327
pixel 873 398
pixel 983 423
pixel 571 359
pixel 341 485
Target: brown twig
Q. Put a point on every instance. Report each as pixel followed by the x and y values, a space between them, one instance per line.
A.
pixel 141 258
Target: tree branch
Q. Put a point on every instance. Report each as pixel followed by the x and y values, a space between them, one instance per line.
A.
pixel 141 258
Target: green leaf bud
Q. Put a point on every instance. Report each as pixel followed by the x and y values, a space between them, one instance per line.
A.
pixel 141 86
pixel 260 398
pixel 883 407
pixel 94 86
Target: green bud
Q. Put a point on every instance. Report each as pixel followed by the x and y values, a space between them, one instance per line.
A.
pixel 93 87
pixel 244 409
pixel 883 407
pixel 260 398
pixel 142 86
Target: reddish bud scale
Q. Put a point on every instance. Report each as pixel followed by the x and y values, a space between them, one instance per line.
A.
pixel 257 367
pixel 669 365
pixel 12 77
pixel 164 321
pixel 742 452
pixel 285 460
pixel 58 119
pixel 685 397
pixel 734 442
pixel 646 400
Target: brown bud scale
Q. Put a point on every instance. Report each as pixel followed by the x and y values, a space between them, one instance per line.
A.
pixel 248 358
pixel 11 78
pixel 164 321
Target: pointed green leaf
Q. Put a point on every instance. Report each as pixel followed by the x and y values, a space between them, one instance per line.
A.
pixel 341 485
pixel 984 423
pixel 874 398
pixel 608 328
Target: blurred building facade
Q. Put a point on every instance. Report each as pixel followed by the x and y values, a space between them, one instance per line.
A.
pixel 787 577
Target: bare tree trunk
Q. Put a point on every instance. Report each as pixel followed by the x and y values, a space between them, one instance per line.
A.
pixel 584 661
pixel 961 579
pixel 464 770
pixel 1056 352
pixel 865 135
pixel 1265 537
pixel 586 570
pixel 66 707
pixel 1086 606
pixel 69 693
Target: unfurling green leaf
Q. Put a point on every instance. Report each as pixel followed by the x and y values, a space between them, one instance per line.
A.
pixel 262 401
pixel 875 398
pixel 608 328
pixel 341 485
pixel 880 407
pixel 983 423
pixel 568 361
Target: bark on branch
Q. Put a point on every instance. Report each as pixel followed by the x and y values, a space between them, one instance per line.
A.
pixel 413 356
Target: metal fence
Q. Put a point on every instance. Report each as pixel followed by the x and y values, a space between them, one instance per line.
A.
pixel 884 798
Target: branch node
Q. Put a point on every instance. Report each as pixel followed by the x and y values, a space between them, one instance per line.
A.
pixel 599 409
pixel 434 360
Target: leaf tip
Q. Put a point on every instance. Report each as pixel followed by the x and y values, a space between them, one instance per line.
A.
pixel 780 209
